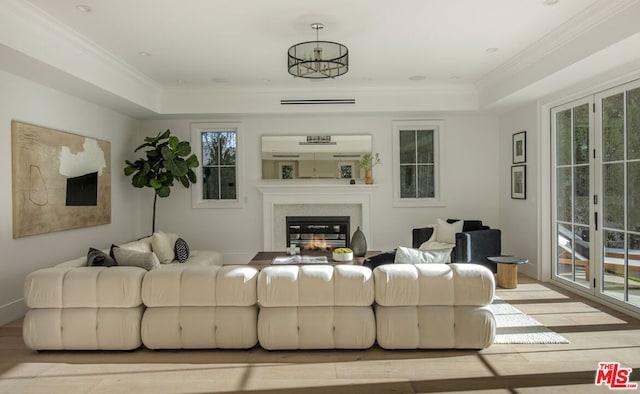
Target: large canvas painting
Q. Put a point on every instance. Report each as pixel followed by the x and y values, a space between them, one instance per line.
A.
pixel 60 180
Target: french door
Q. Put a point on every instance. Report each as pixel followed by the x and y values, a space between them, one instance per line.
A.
pixel 596 215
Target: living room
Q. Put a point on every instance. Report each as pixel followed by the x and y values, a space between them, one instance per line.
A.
pixel 52 76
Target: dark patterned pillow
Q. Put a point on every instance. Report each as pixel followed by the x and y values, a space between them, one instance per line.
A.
pixel 97 258
pixel 181 250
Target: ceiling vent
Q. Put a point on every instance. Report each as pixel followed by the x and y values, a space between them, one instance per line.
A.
pixel 317 101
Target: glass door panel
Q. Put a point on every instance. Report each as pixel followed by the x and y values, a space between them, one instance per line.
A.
pixel 620 169
pixel 572 128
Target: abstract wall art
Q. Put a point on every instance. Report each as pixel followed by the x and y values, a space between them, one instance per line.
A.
pixel 60 180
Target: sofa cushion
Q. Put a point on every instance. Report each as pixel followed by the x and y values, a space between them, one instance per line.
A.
pixel 84 287
pixel 176 285
pixel 433 284
pixel 126 257
pixel 98 258
pixel 313 285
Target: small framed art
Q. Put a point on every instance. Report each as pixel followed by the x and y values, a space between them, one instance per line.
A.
pixel 519 147
pixel 519 182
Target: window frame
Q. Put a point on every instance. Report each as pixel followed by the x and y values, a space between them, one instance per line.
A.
pixel 197 200
pixel 437 125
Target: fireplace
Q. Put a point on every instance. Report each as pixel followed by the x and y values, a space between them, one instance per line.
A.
pixel 317 232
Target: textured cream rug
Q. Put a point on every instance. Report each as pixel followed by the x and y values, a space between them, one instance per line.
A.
pixel 515 327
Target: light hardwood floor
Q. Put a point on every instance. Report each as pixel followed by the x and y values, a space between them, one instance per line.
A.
pixel 596 334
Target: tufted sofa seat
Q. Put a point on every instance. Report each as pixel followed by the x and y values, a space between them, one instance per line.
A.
pixel 200 307
pixel 316 307
pixel 427 306
pixel 75 307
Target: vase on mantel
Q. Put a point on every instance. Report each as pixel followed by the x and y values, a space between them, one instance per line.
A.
pixel 368 176
pixel 358 243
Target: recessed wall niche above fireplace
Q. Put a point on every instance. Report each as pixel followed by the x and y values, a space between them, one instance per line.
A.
pixel 313 156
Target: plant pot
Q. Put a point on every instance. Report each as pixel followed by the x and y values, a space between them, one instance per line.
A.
pixel 368 177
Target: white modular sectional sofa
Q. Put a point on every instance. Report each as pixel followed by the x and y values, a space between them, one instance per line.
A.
pixel 191 307
pixel 316 307
pixel 72 306
pixel 429 306
pixel 202 304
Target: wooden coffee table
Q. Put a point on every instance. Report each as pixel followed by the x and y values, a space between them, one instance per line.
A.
pixel 263 259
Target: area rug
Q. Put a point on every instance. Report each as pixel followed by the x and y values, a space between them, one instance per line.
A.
pixel 515 327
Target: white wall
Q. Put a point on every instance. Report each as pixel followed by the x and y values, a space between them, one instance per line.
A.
pixel 519 218
pixel 472 181
pixel 26 101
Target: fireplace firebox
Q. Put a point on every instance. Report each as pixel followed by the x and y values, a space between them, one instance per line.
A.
pixel 318 232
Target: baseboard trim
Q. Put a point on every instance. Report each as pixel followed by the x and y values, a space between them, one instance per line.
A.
pixel 12 311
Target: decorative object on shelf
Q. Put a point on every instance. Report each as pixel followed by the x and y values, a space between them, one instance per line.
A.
pixel 60 180
pixel 519 151
pixel 519 182
pixel 167 159
pixel 367 163
pixel 342 254
pixel 293 250
pixel 358 243
pixel 318 59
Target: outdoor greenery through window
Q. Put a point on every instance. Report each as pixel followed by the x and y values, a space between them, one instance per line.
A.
pixel 219 165
pixel 417 166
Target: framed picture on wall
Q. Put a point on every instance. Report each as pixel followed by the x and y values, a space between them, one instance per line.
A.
pixel 519 147
pixel 519 182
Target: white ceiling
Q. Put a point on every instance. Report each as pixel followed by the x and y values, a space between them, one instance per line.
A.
pixel 462 54
pixel 244 42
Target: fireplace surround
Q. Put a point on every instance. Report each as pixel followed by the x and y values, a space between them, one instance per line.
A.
pixel 279 201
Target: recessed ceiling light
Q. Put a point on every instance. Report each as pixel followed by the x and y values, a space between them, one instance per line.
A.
pixel 84 8
pixel 491 50
pixel 417 78
pixel 144 53
pixel 550 2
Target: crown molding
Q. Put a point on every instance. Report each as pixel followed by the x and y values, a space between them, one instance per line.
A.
pixel 596 14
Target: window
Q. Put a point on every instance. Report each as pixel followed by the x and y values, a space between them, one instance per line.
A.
pixel 417 167
pixel 217 145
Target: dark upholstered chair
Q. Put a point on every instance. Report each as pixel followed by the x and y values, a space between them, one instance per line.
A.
pixel 474 244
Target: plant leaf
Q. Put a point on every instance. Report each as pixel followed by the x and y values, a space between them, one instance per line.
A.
pixel 182 149
pixel 139 180
pixel 173 142
pixel 167 153
pixel 185 181
pixel 192 176
pixel 192 161
pixel 163 192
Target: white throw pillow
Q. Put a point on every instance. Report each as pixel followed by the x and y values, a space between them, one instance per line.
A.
pixel 162 245
pixel 417 256
pixel 446 232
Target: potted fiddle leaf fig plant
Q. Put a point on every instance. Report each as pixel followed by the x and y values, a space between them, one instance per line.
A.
pixel 166 160
pixel 367 163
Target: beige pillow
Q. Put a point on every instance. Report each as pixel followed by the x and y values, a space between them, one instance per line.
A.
pixel 126 257
pixel 446 232
pixel 162 245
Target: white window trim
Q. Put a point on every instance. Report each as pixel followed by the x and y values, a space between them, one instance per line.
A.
pixel 196 143
pixel 438 126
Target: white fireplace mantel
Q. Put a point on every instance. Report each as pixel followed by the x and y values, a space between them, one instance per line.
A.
pixel 274 194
